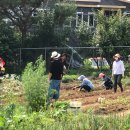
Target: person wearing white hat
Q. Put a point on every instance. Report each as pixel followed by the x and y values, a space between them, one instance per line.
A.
pixel 117 71
pixel 86 83
pixel 55 77
pixel 55 55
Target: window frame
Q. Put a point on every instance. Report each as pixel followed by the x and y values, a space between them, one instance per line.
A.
pixel 77 22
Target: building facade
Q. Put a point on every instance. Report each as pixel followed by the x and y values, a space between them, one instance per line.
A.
pixel 86 9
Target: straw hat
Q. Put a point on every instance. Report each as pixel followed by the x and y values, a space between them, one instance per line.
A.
pixel 117 55
pixel 55 55
pixel 101 75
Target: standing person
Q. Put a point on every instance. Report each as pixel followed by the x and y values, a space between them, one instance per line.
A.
pixel 86 83
pixel 118 71
pixel 54 77
pixel 107 82
pixel 63 60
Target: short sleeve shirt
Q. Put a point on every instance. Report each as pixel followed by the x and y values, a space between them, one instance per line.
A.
pixel 56 68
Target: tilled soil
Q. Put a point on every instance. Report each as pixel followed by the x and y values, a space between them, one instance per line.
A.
pixel 109 102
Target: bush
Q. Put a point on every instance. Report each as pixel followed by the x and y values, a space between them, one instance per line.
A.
pixel 35 84
pixel 69 78
pixel 126 81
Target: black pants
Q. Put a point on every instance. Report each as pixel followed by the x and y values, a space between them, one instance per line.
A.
pixel 108 84
pixel 87 88
pixel 117 81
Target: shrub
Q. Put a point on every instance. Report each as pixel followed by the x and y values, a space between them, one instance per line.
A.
pixel 35 84
pixel 126 81
pixel 69 78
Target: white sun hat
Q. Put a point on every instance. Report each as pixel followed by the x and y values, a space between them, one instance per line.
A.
pixel 81 77
pixel 55 55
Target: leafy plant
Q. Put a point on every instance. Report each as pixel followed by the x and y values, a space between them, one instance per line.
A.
pixel 35 84
pixel 68 78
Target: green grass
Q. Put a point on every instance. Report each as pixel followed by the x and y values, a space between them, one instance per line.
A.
pixel 126 81
pixel 52 119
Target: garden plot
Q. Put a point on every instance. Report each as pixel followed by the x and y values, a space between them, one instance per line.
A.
pixel 101 100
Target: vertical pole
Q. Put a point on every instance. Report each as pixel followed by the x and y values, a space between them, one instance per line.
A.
pixel 20 57
pixel 71 58
pixel 45 60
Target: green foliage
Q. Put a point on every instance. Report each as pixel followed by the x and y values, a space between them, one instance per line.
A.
pixel 87 63
pixel 61 120
pixel 45 33
pixel 20 13
pixel 112 31
pixel 35 84
pixel 85 34
pixel 126 81
pixel 63 10
pixel 7 42
pixel 68 78
pixel 61 105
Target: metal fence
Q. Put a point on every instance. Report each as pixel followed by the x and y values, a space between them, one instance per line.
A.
pixel 74 54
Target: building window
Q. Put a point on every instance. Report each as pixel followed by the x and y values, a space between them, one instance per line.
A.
pixel 91 19
pixel 127 13
pixel 109 13
pixel 79 18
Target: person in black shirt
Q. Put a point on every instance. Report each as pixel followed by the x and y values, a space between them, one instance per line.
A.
pixel 55 77
pixel 108 84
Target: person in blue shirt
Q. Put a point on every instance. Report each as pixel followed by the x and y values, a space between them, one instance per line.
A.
pixel 107 82
pixel 86 83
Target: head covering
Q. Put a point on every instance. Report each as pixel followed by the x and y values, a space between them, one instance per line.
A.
pixel 117 55
pixel 2 62
pixel 81 77
pixel 101 75
pixel 55 55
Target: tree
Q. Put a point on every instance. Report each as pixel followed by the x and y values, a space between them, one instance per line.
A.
pixel 63 10
pixel 20 13
pixel 45 35
pixel 84 34
pixel 111 31
pixel 8 42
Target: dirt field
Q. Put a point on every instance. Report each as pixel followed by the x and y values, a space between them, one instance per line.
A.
pixel 101 100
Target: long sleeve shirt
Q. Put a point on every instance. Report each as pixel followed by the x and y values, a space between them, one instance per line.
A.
pixel 107 81
pixel 88 83
pixel 118 67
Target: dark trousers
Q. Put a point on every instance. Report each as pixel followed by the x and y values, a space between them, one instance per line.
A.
pixel 86 87
pixel 108 85
pixel 117 81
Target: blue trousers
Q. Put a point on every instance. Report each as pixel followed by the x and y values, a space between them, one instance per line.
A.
pixel 54 89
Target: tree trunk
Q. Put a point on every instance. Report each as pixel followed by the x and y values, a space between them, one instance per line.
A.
pixel 23 37
pixel 109 62
pixel 96 61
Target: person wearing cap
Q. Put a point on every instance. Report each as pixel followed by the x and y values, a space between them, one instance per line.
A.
pixel 86 83
pixel 107 82
pixel 117 71
pixel 2 69
pixel 55 76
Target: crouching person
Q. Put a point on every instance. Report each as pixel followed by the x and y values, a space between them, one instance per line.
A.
pixel 107 82
pixel 86 83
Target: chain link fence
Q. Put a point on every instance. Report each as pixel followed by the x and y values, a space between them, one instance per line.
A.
pixel 76 57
